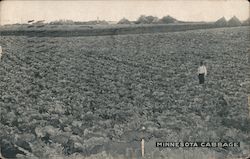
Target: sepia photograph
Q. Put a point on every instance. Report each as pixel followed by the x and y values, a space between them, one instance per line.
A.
pixel 124 79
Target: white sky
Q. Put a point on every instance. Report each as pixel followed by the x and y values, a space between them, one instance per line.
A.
pixel 20 11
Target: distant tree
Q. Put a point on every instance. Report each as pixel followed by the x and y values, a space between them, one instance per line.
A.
pixel 71 22
pixel 79 23
pixel 152 19
pixel 155 20
pixel 141 20
pixel 95 22
pixel 55 23
pixel 103 22
pixel 146 19
pixel 124 21
pixel 167 19
pixel 246 22
pixel 62 22
pixel 39 22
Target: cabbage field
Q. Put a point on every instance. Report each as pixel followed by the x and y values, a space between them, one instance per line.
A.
pixel 90 96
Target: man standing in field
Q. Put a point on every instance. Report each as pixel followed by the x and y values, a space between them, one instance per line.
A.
pixel 202 72
pixel 1 51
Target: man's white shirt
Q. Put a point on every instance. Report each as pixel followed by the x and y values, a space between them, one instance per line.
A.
pixel 202 69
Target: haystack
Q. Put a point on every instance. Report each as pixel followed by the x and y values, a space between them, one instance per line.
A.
pixel 221 22
pixel 234 21
pixel 124 21
pixel 168 19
